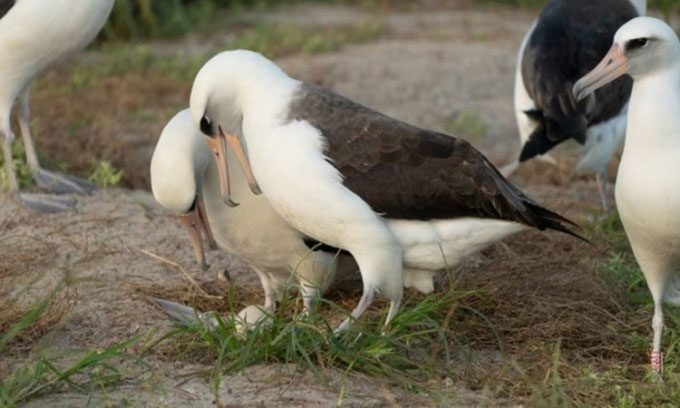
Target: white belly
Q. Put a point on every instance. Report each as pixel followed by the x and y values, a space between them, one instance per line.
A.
pixel 436 245
pixel 648 200
pixel 252 230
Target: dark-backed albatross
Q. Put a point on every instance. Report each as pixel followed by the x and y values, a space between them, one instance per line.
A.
pixel 34 35
pixel 647 193
pixel 337 171
pixel 569 38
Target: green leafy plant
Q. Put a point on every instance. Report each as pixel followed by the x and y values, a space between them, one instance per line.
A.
pixel 105 175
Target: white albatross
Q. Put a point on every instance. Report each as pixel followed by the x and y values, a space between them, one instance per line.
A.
pixel 337 172
pixel 647 193
pixel 185 180
pixel 569 38
pixel 35 35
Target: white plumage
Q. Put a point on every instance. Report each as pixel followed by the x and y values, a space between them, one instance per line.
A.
pixel 34 35
pixel 647 194
pixel 182 171
pixel 244 93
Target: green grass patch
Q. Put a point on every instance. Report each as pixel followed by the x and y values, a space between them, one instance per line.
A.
pixel 622 272
pixel 278 40
pixel 105 175
pixel 408 355
pixel 41 372
pixel 140 19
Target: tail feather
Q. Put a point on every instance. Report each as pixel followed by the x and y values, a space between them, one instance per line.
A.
pixel 551 132
pixel 546 219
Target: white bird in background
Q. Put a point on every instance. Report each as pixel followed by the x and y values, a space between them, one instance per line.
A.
pixel 647 193
pixel 569 38
pixel 34 35
pixel 185 180
pixel 337 171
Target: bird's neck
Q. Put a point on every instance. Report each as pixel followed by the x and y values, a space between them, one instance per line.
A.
pixel 264 103
pixel 653 111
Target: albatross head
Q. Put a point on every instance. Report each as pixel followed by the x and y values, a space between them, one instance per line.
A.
pixel 177 168
pixel 642 47
pixel 222 89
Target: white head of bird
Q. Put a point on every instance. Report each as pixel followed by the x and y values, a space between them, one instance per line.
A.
pixel 642 48
pixel 229 90
pixel 178 166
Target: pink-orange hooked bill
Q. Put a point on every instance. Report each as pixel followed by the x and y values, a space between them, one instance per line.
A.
pixel 614 65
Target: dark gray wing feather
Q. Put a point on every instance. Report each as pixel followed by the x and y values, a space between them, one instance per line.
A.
pixel 5 6
pixel 406 172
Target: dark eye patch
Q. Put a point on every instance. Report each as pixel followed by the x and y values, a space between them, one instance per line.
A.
pixel 637 44
pixel 206 127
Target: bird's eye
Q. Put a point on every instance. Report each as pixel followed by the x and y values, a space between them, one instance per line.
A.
pixel 207 127
pixel 636 44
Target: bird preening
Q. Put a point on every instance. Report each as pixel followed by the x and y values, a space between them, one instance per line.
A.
pixel 404 202
pixel 308 187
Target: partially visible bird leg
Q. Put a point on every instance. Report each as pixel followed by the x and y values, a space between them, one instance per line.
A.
pixel 656 358
pixel 269 291
pixel 601 179
pixel 53 182
pixel 364 303
pixel 394 308
pixel 38 203
pixel 7 141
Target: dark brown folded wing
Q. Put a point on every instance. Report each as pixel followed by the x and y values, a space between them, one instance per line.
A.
pixel 406 172
pixel 5 6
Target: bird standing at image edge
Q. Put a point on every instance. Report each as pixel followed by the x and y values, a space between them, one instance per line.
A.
pixel 647 193
pixel 35 35
pixel 336 171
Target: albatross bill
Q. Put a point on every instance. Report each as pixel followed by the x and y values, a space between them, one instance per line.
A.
pixel 218 145
pixel 613 66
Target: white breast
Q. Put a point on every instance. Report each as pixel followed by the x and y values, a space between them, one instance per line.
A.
pixel 647 189
pixel 252 230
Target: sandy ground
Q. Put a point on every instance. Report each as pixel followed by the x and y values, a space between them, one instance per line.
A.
pixel 427 68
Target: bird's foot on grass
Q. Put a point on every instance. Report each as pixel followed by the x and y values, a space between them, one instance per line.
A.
pixel 187 316
pixel 45 203
pixel 62 184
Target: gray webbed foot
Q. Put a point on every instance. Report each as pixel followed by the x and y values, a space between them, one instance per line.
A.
pixel 185 315
pixel 62 184
pixel 47 204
